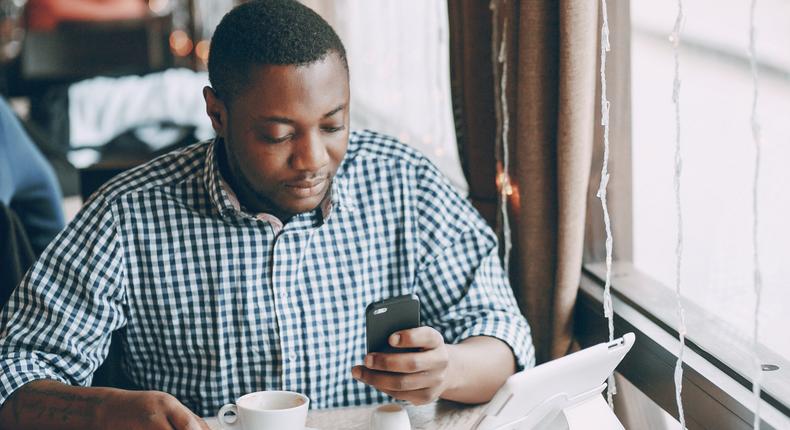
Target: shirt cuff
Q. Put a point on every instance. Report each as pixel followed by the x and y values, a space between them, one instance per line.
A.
pixel 15 374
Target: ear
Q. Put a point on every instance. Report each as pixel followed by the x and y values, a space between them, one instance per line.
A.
pixel 217 111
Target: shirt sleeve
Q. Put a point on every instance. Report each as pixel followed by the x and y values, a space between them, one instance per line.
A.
pixel 463 289
pixel 58 322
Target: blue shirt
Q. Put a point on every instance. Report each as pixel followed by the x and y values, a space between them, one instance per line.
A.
pixel 217 302
pixel 28 184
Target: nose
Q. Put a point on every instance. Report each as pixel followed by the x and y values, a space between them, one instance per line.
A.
pixel 309 153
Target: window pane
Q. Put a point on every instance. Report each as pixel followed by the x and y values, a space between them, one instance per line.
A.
pixel 718 158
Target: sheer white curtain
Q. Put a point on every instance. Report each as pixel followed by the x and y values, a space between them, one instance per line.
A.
pixel 398 53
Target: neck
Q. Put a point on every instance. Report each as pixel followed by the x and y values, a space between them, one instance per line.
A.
pixel 249 200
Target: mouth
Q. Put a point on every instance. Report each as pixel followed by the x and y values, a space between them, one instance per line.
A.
pixel 306 189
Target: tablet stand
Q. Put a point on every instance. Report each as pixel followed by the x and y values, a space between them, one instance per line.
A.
pixel 586 411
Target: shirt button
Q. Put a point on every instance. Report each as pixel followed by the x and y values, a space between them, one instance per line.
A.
pixel 292 357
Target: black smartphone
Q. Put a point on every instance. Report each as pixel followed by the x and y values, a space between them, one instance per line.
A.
pixel 387 316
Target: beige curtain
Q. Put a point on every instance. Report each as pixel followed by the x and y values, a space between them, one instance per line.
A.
pixel 551 49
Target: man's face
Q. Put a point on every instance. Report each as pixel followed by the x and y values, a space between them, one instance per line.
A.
pixel 285 134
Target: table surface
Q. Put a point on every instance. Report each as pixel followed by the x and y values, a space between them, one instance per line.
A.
pixel 437 415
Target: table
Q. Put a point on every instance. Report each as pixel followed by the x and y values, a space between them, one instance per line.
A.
pixel 438 415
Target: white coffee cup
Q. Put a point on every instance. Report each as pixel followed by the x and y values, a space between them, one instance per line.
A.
pixel 390 417
pixel 266 410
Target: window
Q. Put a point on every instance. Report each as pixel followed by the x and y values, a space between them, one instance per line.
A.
pixel 718 159
pixel 716 183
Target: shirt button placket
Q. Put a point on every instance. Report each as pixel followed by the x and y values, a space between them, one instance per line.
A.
pixel 280 281
pixel 287 253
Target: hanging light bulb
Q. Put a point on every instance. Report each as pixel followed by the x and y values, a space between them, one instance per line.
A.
pixel 508 189
pixel 503 182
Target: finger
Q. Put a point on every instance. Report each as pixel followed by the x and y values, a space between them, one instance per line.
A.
pixel 182 418
pixel 420 337
pixel 203 425
pixel 416 397
pixel 201 422
pixel 407 362
pixel 387 381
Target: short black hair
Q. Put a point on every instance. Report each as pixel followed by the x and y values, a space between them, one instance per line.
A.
pixel 267 32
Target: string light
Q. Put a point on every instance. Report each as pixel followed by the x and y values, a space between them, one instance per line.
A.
pixel 508 187
pixel 757 274
pixel 674 39
pixel 611 389
pixel 503 182
pixel 500 64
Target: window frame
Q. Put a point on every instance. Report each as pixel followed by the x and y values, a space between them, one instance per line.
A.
pixel 712 397
pixel 716 385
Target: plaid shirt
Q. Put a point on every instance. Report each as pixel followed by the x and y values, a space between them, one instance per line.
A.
pixel 215 303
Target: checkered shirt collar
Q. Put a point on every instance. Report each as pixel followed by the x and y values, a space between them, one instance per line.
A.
pixel 227 204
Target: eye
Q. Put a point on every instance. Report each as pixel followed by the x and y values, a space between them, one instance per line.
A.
pixel 330 129
pixel 271 139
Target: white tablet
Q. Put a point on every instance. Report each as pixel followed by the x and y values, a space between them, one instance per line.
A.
pixel 555 394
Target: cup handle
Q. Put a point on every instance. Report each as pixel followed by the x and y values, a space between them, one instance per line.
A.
pixel 228 422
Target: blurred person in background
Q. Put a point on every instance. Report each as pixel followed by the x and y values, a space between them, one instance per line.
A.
pixel 27 182
pixel 45 15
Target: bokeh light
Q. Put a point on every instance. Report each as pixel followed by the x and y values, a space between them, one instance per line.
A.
pixel 201 50
pixel 180 43
pixel 159 7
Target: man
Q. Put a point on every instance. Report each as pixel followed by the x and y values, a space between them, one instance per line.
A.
pixel 246 263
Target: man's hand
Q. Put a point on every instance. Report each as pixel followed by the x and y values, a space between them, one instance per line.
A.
pixel 154 410
pixel 418 377
pixel 47 404
pixel 468 372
